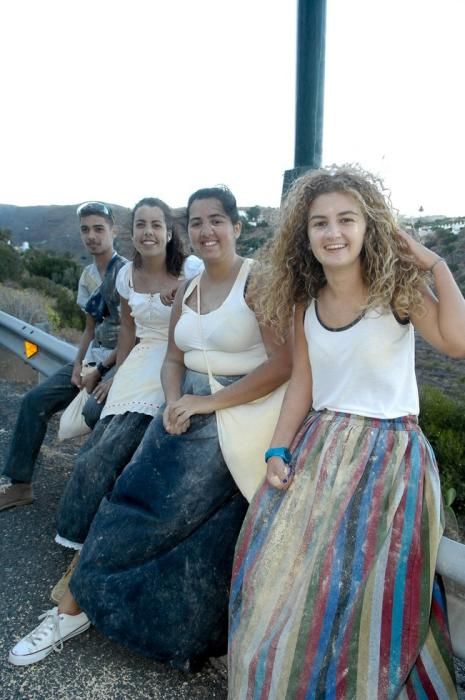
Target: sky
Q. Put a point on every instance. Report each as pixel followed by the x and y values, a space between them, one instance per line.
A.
pixel 116 100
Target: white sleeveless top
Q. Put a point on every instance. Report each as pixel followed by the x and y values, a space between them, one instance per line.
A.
pixel 231 334
pixel 366 368
pixel 151 317
pixel 136 385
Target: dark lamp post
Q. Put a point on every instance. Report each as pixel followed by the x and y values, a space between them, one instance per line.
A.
pixel 311 25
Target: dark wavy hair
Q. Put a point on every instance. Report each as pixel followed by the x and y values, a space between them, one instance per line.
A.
pixel 175 250
pixel 222 194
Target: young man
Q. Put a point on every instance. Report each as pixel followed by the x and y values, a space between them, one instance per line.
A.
pixel 97 346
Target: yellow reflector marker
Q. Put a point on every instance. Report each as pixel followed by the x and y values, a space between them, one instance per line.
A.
pixel 30 349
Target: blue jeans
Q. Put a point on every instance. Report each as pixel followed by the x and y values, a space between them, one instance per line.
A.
pixel 37 407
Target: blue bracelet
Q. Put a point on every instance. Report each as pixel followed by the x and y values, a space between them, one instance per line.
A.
pixel 282 452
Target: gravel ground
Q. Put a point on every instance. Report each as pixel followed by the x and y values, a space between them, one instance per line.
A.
pixel 90 666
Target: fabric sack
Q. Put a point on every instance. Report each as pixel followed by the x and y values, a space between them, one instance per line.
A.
pixel 245 433
pixel 72 423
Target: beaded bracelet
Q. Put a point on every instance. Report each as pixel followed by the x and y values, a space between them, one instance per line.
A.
pixel 436 262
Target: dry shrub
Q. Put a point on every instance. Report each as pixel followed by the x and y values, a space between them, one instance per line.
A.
pixel 28 305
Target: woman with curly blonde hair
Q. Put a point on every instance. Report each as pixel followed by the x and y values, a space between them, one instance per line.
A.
pixel 334 592
pixel 291 274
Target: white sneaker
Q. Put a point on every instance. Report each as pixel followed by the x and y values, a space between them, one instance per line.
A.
pixel 49 636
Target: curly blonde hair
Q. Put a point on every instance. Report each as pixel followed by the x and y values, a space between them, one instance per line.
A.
pixel 290 274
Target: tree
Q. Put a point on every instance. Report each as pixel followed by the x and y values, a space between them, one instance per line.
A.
pixel 5 235
pixel 61 269
pixel 253 213
pixel 11 265
pixel 443 421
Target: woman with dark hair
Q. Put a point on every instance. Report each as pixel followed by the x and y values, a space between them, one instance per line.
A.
pixel 146 288
pixel 155 569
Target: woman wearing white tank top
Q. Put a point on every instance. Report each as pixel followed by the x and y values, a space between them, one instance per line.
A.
pixel 334 593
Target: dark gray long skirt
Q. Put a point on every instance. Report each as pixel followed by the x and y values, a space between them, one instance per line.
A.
pixel 155 569
pixel 98 464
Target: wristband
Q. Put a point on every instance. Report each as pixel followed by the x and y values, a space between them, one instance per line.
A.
pixel 436 262
pixel 282 452
pixel 102 370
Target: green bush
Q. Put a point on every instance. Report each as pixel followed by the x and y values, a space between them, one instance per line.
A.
pixel 442 419
pixel 61 269
pixel 67 312
pixel 53 275
pixel 11 265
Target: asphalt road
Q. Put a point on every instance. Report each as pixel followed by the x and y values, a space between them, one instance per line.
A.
pixel 90 667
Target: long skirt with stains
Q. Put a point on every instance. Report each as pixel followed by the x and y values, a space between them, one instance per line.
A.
pixel 334 593
pixel 155 569
pixel 98 464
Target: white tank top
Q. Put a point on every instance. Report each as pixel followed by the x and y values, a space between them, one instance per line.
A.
pixel 231 332
pixel 366 368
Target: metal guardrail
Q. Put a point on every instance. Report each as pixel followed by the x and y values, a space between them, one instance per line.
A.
pixel 451 564
pixel 53 353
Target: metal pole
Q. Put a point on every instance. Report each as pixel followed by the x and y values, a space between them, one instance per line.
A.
pixel 311 26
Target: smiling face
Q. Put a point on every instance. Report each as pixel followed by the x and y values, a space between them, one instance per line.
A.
pixel 212 234
pixel 336 229
pixel 97 234
pixel 149 232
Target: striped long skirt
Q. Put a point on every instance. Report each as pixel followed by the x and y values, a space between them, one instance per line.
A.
pixel 334 593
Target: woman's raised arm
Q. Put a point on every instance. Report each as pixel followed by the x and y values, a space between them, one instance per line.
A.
pixel 443 323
